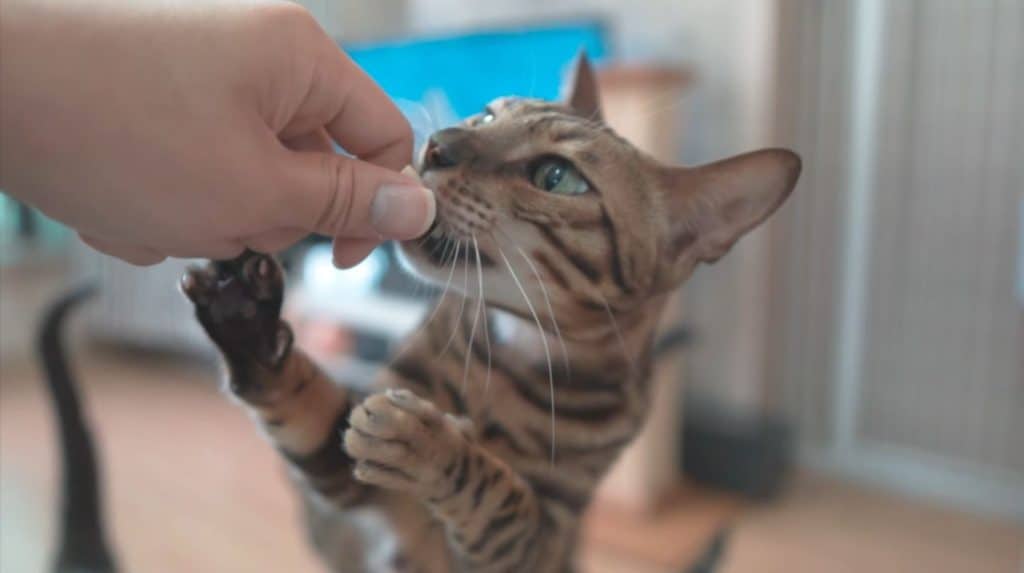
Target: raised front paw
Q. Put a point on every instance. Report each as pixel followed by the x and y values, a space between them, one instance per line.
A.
pixel 400 441
pixel 238 303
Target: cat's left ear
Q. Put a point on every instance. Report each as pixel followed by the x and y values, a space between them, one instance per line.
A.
pixel 579 91
pixel 712 206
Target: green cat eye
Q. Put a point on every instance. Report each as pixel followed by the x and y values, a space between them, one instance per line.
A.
pixel 559 176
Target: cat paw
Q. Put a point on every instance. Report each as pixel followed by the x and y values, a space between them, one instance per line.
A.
pixel 402 442
pixel 238 303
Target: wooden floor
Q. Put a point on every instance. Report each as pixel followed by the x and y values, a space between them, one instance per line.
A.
pixel 192 487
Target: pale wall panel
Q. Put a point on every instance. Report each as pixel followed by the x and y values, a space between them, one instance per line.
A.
pixel 941 372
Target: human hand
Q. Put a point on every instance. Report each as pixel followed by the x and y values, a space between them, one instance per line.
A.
pixel 198 128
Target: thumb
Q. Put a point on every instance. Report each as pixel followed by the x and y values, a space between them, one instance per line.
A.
pixel 341 196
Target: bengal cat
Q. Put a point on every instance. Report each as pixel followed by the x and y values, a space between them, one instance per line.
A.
pixel 558 243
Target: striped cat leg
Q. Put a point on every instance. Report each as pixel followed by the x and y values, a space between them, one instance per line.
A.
pixel 491 513
pixel 400 441
pixel 306 423
pixel 304 413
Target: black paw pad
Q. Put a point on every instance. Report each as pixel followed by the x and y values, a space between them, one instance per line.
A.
pixel 238 303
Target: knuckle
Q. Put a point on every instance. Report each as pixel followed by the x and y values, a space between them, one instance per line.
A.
pixel 287 16
pixel 337 212
pixel 281 33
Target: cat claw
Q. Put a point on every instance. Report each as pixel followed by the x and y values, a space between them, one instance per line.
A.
pixel 263 276
pixel 196 283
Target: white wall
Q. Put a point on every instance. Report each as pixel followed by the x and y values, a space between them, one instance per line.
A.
pixel 898 340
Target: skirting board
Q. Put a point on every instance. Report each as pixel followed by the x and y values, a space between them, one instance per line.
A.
pixel 918 474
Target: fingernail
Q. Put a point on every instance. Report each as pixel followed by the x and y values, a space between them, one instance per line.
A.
pixel 402 212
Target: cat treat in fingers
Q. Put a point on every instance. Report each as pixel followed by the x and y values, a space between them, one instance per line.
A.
pixel 556 244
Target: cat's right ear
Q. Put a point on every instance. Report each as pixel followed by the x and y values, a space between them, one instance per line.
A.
pixel 579 91
pixel 712 206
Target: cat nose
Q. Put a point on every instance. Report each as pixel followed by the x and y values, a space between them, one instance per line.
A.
pixel 446 148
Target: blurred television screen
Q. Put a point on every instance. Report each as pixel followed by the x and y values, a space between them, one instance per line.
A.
pixel 469 69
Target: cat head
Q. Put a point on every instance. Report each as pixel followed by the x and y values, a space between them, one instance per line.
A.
pixel 543 202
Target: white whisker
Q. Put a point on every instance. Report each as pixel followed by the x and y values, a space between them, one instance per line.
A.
pixel 448 281
pixel 551 310
pixel 544 340
pixel 476 314
pixel 487 336
pixel 444 292
pixel 418 287
pixel 462 307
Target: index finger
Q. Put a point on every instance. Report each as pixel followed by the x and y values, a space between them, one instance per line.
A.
pixel 356 112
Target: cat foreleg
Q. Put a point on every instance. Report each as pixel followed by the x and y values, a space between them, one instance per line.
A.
pixel 302 411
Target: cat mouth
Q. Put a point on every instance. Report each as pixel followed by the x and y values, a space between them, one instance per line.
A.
pixel 443 250
pixel 436 245
pixel 447 241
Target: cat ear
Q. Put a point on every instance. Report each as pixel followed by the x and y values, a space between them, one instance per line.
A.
pixel 579 91
pixel 716 204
